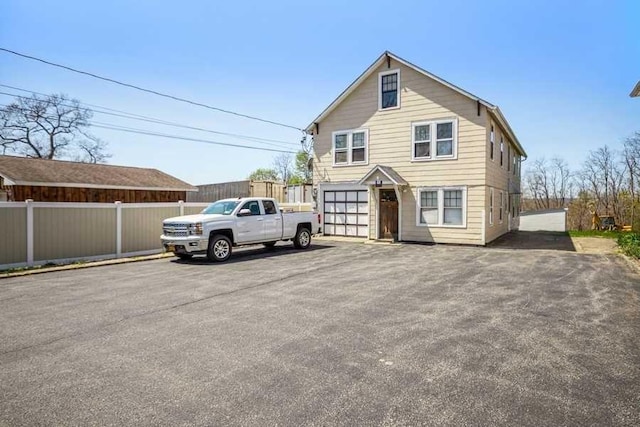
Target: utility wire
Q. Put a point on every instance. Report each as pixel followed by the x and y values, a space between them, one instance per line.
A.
pixel 110 126
pixel 133 116
pixel 154 92
pixel 184 138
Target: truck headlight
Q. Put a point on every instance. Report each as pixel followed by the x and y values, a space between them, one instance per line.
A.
pixel 195 229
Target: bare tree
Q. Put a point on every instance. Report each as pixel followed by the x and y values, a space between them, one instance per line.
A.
pixel 606 184
pixel 580 211
pixel 49 127
pixel 560 180
pixel 631 155
pixel 603 174
pixel 548 183
pixel 282 165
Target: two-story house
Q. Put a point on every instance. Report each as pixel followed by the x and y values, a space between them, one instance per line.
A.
pixel 402 154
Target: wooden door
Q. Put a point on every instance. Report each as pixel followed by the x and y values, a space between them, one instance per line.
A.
pixel 388 215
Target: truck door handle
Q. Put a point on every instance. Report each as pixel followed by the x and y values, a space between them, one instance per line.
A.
pixel 278 219
pixel 260 219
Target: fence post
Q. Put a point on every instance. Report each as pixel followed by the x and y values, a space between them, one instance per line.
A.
pixel 29 203
pixel 181 207
pixel 118 229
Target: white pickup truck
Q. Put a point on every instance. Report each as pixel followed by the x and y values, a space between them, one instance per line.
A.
pixel 237 222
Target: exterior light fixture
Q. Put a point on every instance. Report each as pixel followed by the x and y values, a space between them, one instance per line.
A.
pixel 378 182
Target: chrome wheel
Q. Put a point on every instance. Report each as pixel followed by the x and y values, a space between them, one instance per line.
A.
pixel 302 239
pixel 221 249
pixel 305 238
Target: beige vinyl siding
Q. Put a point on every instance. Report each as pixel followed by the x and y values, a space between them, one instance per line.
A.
pixel 390 144
pixel 61 233
pixel 142 227
pixel 13 229
pixel 498 178
pixel 471 235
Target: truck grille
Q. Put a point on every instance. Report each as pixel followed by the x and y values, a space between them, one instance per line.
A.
pixel 175 230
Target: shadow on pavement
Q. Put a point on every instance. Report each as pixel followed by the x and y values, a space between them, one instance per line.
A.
pixel 556 241
pixel 254 252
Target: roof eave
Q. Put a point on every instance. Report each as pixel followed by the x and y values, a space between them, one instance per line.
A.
pixel 346 92
pixel 7 179
pixel 98 186
pixel 442 81
pixel 636 90
pixel 372 68
pixel 380 169
pixel 499 117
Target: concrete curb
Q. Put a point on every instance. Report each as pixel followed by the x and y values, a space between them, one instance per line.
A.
pixel 78 266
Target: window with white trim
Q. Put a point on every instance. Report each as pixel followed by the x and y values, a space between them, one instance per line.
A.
pixel 508 157
pixel 434 140
pixel 501 150
pixel 389 89
pixel 452 207
pixel 350 147
pixel 492 142
pixel 441 207
pixel 429 207
pixel 422 141
pixel 490 206
pixel 501 205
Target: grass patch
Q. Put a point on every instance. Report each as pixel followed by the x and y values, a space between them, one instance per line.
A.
pixel 597 233
pixel 38 267
pixel 630 244
pixel 25 268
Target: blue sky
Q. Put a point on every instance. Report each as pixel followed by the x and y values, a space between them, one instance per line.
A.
pixel 560 71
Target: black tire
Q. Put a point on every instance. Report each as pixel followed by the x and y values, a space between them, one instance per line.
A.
pixel 219 248
pixel 269 244
pixel 184 256
pixel 302 239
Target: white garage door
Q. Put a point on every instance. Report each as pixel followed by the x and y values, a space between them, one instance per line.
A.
pixel 346 213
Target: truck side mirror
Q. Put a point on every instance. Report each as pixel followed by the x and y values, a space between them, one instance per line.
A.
pixel 244 212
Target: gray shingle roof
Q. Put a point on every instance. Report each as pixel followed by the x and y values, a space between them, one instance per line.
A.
pixel 43 172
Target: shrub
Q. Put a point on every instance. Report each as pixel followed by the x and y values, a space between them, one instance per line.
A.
pixel 630 244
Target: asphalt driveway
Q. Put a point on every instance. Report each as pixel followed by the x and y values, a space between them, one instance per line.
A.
pixel 342 334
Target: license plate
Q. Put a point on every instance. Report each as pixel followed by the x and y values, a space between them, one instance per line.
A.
pixel 171 248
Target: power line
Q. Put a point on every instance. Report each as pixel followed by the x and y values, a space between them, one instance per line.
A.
pixel 154 92
pixel 134 116
pixel 184 138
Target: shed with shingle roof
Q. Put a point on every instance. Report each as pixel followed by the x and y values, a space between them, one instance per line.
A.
pixel 44 180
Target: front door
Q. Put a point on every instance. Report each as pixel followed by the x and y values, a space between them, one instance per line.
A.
pixel 388 215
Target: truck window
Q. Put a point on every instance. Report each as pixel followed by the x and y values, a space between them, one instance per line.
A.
pixel 253 206
pixel 269 207
pixel 221 208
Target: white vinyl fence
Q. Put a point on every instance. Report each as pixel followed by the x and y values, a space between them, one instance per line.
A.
pixel 36 233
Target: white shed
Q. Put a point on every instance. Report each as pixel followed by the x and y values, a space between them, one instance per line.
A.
pixel 545 220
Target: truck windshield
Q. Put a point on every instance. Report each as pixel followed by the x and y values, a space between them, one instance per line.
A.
pixel 221 208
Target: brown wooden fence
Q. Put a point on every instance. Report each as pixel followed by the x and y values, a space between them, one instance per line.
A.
pixel 226 190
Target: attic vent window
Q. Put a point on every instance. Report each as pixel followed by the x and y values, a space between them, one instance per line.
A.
pixel 388 86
